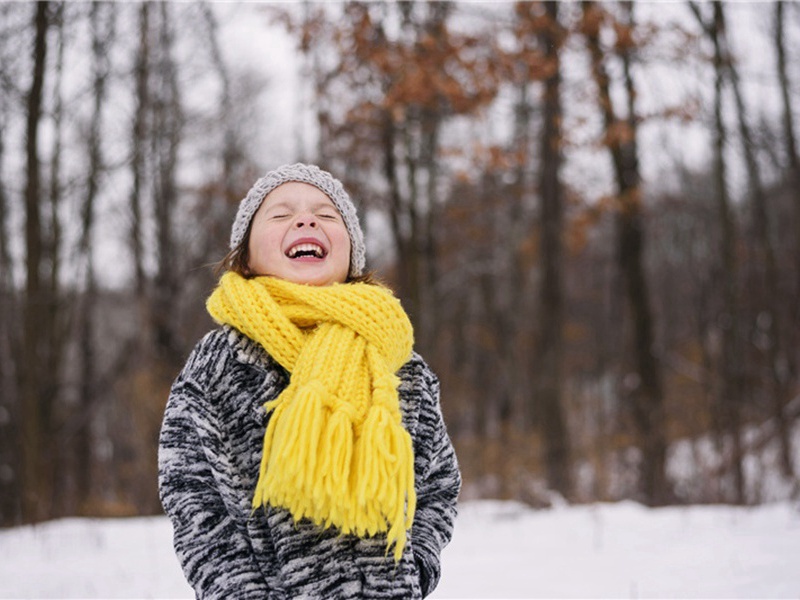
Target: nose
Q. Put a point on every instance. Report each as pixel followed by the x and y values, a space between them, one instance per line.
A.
pixel 306 219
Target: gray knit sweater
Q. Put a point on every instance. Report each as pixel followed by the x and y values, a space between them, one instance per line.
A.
pixel 209 455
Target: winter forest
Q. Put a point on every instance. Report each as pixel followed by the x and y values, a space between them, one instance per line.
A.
pixel 591 211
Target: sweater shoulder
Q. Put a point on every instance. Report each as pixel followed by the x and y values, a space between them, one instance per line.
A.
pixel 224 348
pixel 419 375
pixel 207 360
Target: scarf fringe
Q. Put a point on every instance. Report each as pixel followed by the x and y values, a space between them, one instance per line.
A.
pixel 317 466
pixel 335 449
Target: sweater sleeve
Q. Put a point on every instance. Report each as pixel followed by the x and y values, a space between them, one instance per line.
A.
pixel 216 558
pixel 438 485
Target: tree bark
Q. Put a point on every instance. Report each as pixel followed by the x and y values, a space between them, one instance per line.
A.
pixel 55 319
pixel 33 402
pixel 790 140
pixel 138 141
pixel 793 181
pixel 102 28
pixel 230 150
pixel 779 384
pixel 729 404
pixel 168 129
pixel 9 338
pixel 550 341
pixel 411 148
pixel 645 391
pixel 733 383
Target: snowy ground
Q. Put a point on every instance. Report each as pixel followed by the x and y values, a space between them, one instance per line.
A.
pixel 500 550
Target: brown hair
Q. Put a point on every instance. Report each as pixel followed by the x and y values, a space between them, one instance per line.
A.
pixel 236 260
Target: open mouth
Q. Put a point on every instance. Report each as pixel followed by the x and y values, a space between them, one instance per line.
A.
pixel 306 250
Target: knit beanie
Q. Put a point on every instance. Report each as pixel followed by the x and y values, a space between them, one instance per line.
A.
pixel 320 179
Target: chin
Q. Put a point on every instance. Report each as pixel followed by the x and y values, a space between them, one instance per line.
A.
pixel 306 276
pixel 318 280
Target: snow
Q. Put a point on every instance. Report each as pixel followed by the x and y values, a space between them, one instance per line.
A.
pixel 499 550
pixel 505 550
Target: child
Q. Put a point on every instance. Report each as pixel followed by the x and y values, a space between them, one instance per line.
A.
pixel 303 452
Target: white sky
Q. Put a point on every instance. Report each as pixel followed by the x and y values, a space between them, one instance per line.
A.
pixel 249 38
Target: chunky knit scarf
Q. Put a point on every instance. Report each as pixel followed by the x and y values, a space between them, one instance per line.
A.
pixel 335 449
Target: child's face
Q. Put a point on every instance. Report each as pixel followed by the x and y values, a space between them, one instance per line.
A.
pixel 298 235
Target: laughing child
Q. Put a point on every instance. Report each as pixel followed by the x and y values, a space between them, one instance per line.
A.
pixel 303 452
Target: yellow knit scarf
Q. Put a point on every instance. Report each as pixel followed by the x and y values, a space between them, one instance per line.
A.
pixel 335 449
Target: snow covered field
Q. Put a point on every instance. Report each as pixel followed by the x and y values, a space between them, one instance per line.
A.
pixel 500 550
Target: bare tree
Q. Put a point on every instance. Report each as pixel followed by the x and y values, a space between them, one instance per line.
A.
pixel 166 138
pixel 790 140
pixel 550 342
pixel 417 142
pixel 141 77
pixel 769 306
pixel 231 154
pixel 644 387
pixel 102 16
pixel 731 397
pixel 35 406
pixel 55 318
pixel 9 484
pixel 793 180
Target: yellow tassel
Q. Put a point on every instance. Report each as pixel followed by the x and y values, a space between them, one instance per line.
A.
pixel 338 451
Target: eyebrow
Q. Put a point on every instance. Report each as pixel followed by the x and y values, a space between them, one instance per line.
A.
pixel 318 206
pixel 281 205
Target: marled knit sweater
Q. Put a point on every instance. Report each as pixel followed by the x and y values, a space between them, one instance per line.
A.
pixel 209 454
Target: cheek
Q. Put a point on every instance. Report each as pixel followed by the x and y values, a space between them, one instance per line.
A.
pixel 343 241
pixel 264 242
pixel 345 256
pixel 262 236
pixel 342 238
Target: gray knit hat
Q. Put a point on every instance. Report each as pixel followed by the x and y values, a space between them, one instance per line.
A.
pixel 320 179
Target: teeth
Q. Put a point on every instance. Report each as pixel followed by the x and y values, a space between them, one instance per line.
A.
pixel 305 248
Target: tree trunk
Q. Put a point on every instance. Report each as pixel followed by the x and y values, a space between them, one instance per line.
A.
pixel 429 157
pixel 168 125
pixel 230 151
pixel 645 390
pixel 793 181
pixel 550 340
pixel 55 320
pixel 138 136
pixel 779 385
pixel 788 132
pixel 33 402
pixel 102 28
pixel 732 370
pixel 729 404
pixel 9 336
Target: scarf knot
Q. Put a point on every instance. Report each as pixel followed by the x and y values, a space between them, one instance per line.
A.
pixel 335 449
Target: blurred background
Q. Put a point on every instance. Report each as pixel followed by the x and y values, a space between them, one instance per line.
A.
pixel 591 211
